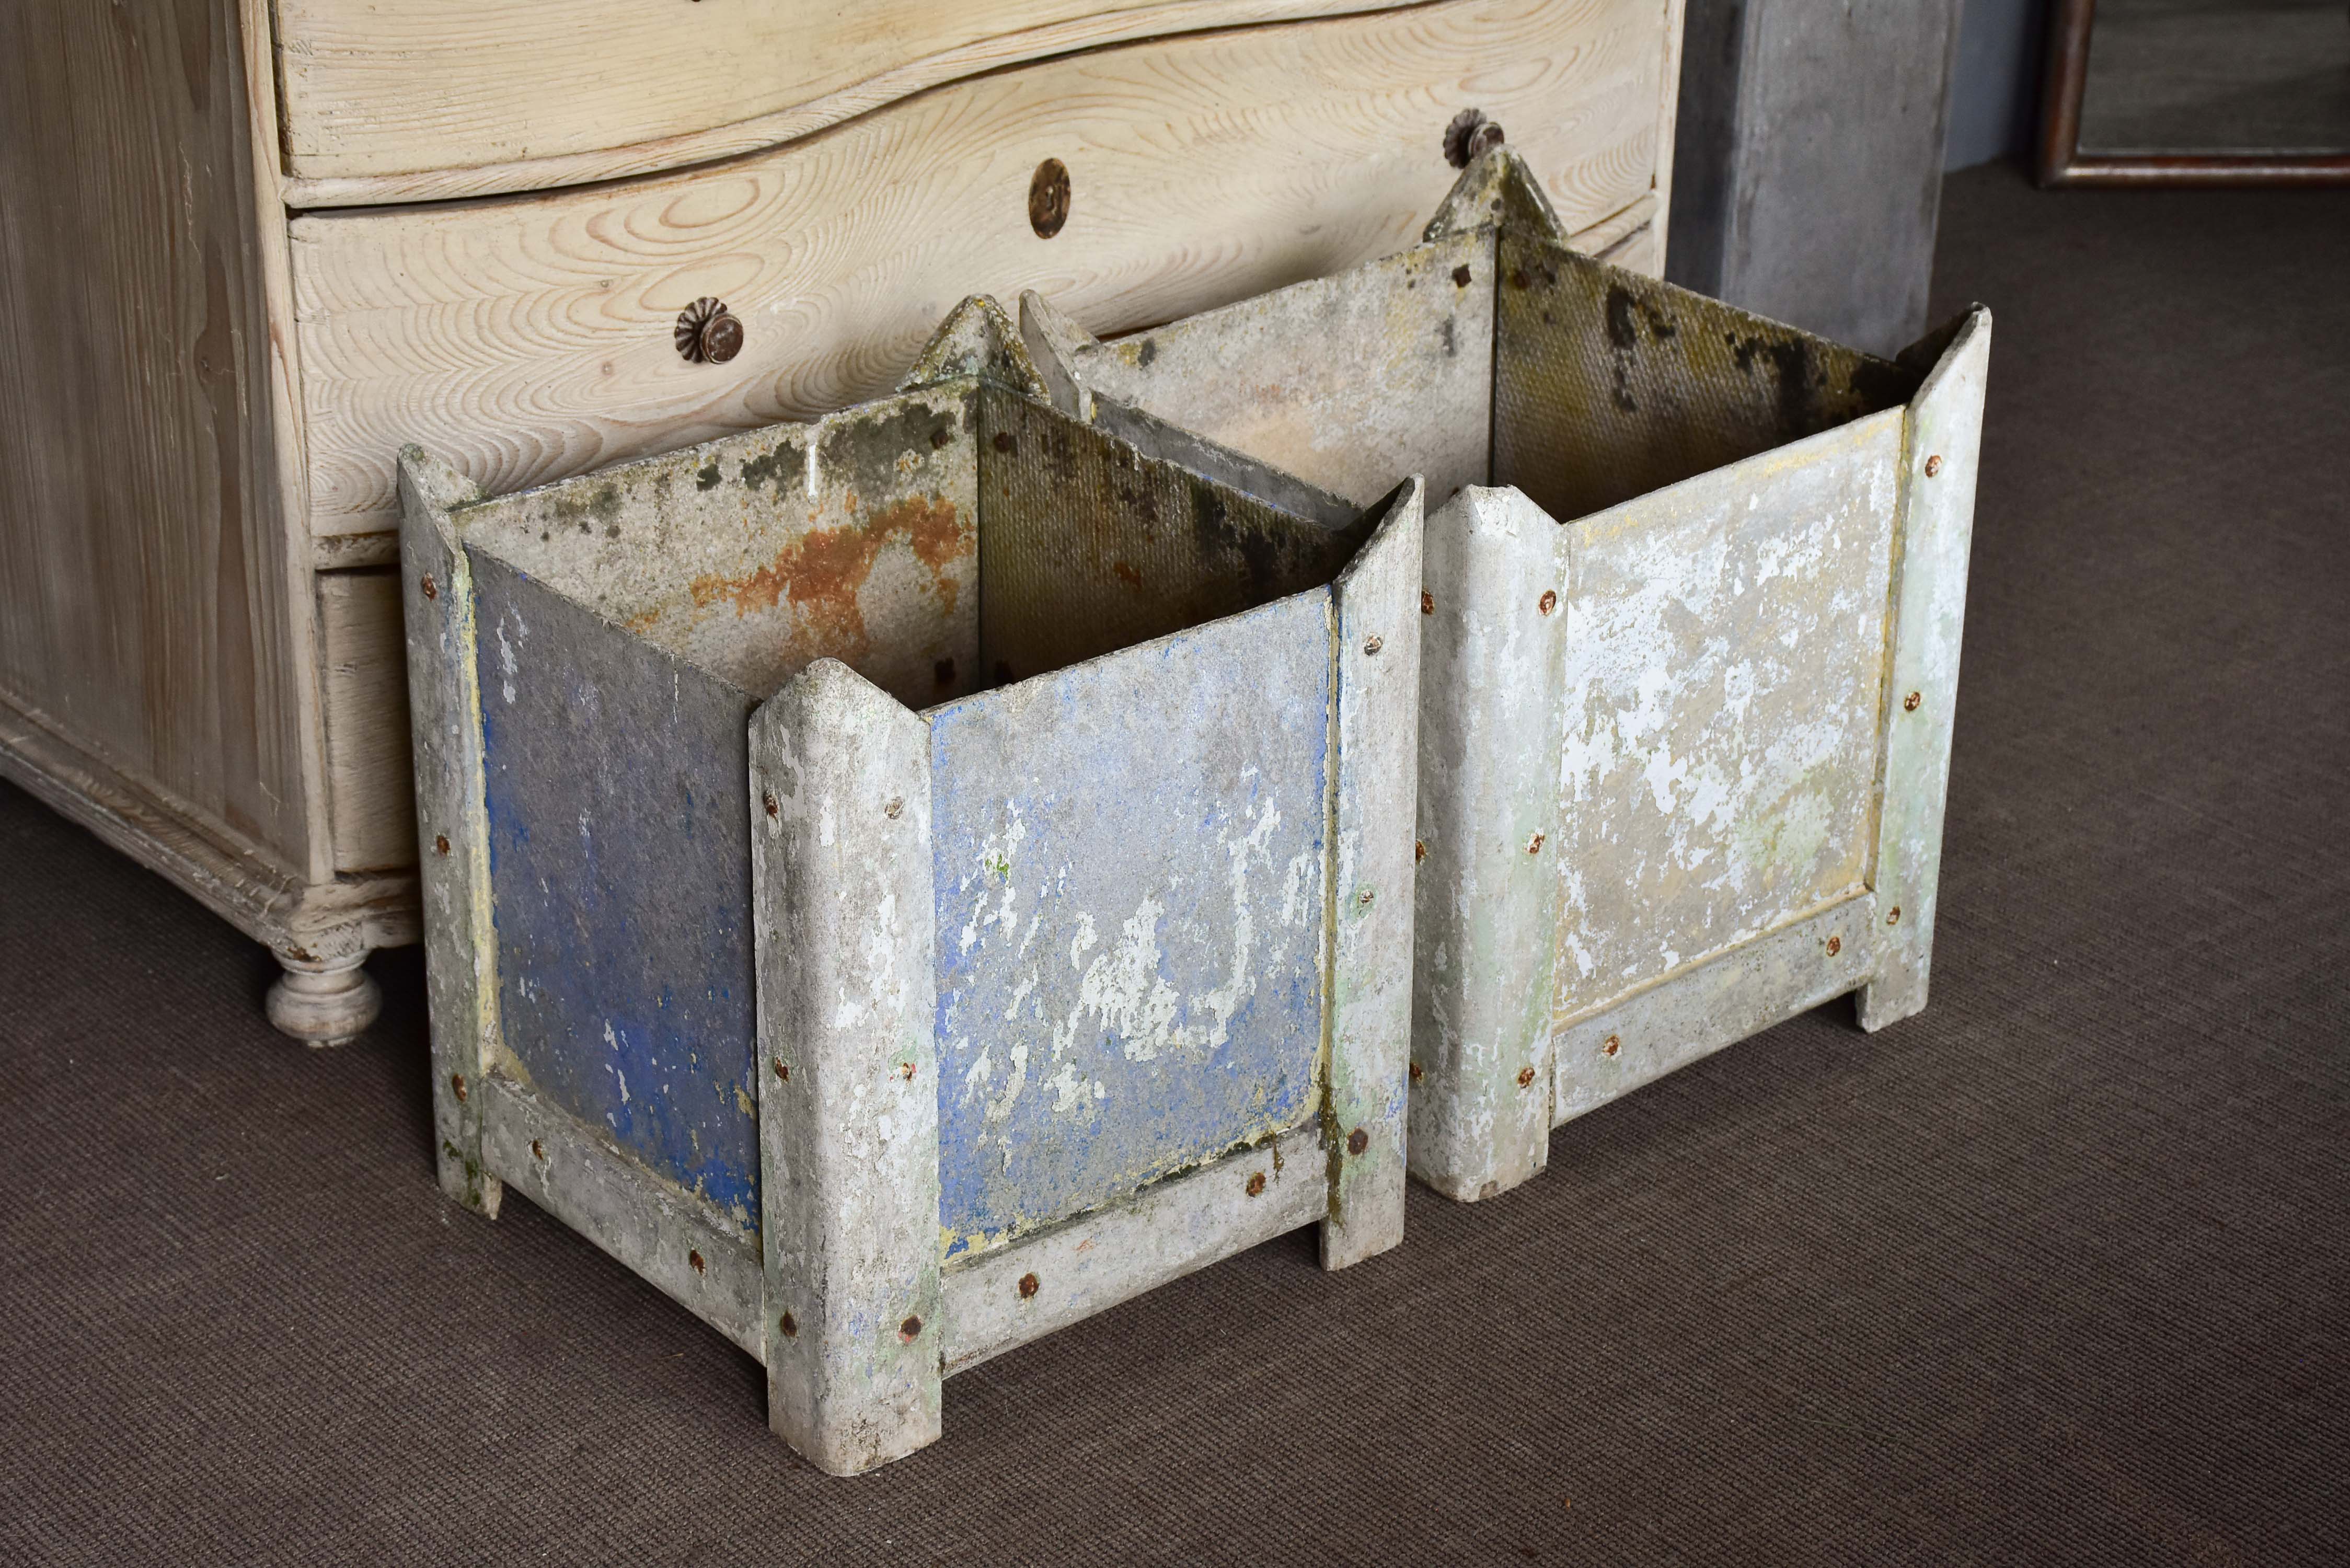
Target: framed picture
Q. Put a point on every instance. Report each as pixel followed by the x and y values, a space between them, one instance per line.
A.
pixel 2197 92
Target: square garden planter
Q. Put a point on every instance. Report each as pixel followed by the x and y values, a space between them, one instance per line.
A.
pixel 905 882
pixel 1693 590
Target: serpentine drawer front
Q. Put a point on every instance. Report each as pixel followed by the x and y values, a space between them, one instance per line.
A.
pixel 401 99
pixel 529 339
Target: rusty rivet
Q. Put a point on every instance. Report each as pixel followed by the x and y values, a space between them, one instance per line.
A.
pixel 911 1330
pixel 791 1330
pixel 767 799
pixel 1533 844
pixel 707 332
pixel 1418 850
pixel 1255 1183
pixel 439 843
pixel 1910 703
pixel 1357 1141
pixel 1373 644
pixel 1427 602
pixel 1933 465
pixel 457 1087
pixel 1525 1077
pixel 1416 1072
pixel 1028 1286
pixel 1609 1047
pixel 431 589
pixel 782 1072
pixel 1364 897
pixel 699 1266
pixel 895 808
pixel 537 1150
pixel 1894 919
pixel 906 1071
pixel 1005 440
pixel 1461 277
pixel 1048 198
pixel 1835 946
pixel 1549 602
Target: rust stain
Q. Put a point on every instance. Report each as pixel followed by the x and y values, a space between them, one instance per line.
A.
pixel 820 572
pixel 1127 574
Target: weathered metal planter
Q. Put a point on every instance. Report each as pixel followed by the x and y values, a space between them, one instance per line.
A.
pixel 906 882
pixel 1688 669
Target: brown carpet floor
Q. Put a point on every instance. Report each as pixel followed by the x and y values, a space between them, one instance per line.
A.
pixel 2058 1272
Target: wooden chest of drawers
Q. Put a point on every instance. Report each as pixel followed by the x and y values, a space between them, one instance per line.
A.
pixel 247 249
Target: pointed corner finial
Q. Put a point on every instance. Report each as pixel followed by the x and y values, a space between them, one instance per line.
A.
pixel 1496 188
pixel 977 338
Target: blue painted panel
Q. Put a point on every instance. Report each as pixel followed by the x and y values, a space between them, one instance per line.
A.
pixel 620 883
pixel 1129 870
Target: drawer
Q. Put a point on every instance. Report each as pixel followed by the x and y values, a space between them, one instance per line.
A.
pixel 532 338
pixel 380 98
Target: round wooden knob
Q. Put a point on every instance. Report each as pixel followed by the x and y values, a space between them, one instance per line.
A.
pixel 708 333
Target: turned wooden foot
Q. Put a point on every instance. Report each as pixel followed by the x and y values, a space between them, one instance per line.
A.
pixel 324 1002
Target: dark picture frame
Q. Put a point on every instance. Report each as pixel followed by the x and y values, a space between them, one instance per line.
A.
pixel 2060 161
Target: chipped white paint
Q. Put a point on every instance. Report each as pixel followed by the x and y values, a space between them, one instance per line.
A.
pixel 1722 690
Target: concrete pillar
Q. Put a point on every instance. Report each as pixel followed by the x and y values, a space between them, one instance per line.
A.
pixel 1808 163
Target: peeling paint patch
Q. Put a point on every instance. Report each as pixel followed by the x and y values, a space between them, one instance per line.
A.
pixel 1722 704
pixel 1156 1005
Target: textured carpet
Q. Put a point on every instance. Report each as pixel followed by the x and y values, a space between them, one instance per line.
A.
pixel 2058 1272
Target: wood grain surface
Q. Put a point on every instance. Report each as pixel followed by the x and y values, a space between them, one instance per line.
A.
pixel 363 689
pixel 424 99
pixel 527 339
pixel 146 599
